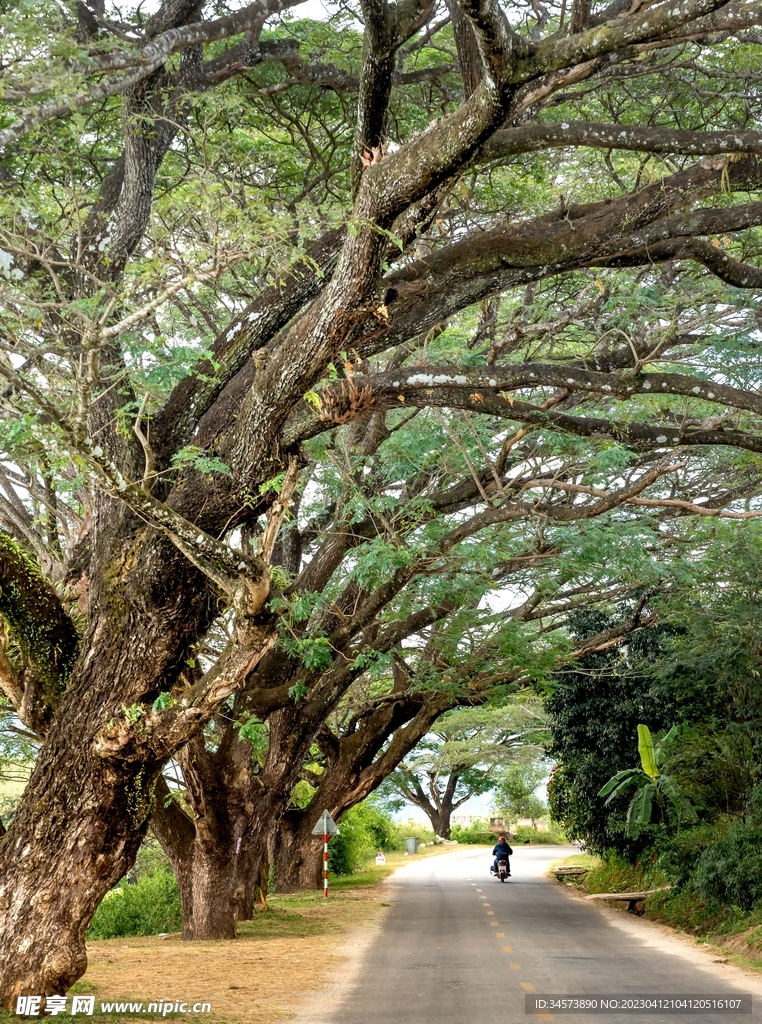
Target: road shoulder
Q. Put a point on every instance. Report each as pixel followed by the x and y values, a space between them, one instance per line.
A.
pixel 709 958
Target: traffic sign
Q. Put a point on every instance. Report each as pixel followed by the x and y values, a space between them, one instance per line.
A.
pixel 326 826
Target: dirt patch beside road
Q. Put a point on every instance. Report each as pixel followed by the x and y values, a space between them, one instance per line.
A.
pixel 261 977
pixel 299 945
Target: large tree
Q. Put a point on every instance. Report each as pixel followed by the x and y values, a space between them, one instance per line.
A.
pixel 383 601
pixel 190 243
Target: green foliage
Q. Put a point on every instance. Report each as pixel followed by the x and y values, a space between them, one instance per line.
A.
pixel 199 460
pixel 553 835
pixel 651 785
pixel 476 832
pixel 149 907
pixel 617 874
pixel 515 795
pixel 678 853
pixel 730 870
pixel 363 830
pixel 411 827
pixel 133 713
pixel 595 709
pixel 302 793
pixel 150 859
pixel 256 732
pixel 461 755
pixel 164 700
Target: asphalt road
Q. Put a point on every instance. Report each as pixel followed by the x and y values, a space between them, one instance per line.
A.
pixel 459 947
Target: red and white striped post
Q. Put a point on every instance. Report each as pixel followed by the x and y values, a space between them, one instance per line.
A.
pixel 326 827
pixel 325 864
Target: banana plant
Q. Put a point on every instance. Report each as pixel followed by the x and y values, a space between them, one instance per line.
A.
pixel 652 785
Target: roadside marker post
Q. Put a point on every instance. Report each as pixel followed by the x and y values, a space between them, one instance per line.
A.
pixel 327 827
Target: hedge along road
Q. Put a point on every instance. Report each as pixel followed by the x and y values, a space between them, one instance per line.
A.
pixel 459 946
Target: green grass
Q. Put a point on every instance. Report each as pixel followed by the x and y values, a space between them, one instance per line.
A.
pixel 579 860
pixel 284 918
pixel 372 873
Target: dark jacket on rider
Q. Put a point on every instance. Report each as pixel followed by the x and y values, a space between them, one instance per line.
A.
pixel 502 849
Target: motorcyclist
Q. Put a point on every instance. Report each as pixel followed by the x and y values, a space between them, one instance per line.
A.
pixel 502 851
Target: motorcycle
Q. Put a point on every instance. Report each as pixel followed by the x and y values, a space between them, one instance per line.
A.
pixel 502 870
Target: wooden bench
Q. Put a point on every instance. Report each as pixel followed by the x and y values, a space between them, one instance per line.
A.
pixel 632 899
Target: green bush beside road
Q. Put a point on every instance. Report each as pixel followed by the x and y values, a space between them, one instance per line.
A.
pixel 149 907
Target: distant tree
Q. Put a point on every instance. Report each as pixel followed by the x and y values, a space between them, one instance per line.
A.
pixel 515 792
pixel 459 758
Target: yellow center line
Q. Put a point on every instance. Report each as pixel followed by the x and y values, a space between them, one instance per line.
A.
pixel 480 890
pixel 500 935
pixel 544 1016
pixel 490 913
pixel 515 967
pixel 494 924
pixel 507 949
pixel 527 986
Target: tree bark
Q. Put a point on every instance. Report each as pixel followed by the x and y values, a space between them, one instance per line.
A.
pixel 65 860
pixel 298 855
pixel 217 875
pixel 86 807
pixel 440 821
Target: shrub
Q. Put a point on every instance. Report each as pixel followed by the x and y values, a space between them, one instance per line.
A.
pixel 731 870
pixel 379 827
pixel 404 829
pixel 617 874
pixel 150 859
pixel 149 907
pixel 363 830
pixel 678 855
pixel 554 834
pixel 477 832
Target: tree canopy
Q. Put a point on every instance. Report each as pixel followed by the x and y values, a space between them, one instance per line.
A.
pixel 328 345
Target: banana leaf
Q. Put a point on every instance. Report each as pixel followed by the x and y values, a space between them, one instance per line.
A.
pixel 663 742
pixel 646 751
pixel 618 782
pixel 639 811
pixel 683 808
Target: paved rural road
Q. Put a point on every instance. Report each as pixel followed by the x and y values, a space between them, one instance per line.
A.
pixel 459 947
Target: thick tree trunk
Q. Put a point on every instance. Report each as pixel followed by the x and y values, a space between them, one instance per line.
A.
pixel 217 873
pixel 440 821
pixel 252 885
pixel 213 910
pixel 85 810
pixel 298 855
pixel 75 834
pixel 210 885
